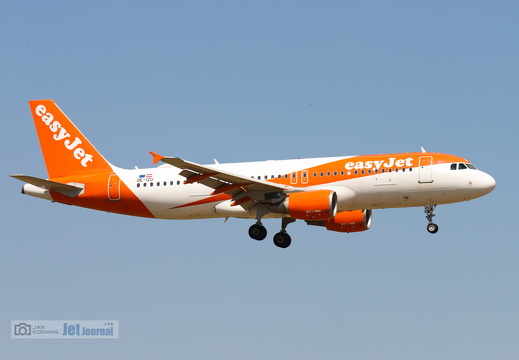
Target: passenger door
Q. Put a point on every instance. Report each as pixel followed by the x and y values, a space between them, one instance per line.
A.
pixel 425 169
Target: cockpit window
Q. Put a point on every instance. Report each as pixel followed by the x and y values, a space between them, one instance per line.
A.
pixel 462 166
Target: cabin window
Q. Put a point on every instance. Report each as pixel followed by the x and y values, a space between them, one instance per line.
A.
pixel 138 185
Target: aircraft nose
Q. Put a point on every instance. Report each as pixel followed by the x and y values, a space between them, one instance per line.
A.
pixel 486 183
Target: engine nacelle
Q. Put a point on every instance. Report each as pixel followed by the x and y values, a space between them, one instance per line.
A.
pixel 347 221
pixel 350 221
pixel 309 205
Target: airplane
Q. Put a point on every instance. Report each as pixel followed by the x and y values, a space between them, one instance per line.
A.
pixel 337 193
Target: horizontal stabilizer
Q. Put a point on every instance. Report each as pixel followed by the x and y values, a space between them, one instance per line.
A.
pixel 65 189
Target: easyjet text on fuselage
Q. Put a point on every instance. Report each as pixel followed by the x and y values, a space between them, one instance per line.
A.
pixel 377 164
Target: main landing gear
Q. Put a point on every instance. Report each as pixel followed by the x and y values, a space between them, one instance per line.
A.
pixel 258 231
pixel 431 227
pixel 281 239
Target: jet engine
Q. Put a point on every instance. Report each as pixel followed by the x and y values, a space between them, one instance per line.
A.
pixel 347 221
pixel 309 205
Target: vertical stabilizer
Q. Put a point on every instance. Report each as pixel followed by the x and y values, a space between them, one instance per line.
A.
pixel 65 149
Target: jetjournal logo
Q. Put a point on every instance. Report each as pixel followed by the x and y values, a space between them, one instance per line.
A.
pixel 64 329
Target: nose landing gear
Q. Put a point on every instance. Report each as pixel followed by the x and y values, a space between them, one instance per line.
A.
pixel 431 227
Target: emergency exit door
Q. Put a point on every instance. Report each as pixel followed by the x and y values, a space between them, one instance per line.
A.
pixel 114 192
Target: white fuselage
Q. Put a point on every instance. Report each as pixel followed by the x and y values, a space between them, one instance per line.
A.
pixel 164 193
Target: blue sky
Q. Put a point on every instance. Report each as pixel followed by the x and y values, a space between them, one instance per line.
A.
pixel 241 81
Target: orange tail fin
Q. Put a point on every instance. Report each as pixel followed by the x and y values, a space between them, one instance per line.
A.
pixel 65 149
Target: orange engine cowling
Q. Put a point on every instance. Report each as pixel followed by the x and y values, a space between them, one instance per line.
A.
pixel 309 205
pixel 350 221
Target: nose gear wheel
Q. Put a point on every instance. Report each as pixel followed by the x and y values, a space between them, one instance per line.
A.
pixel 429 214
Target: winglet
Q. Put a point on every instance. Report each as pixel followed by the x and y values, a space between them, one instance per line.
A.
pixel 156 157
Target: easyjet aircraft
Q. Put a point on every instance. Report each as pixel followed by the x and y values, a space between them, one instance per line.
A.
pixel 337 193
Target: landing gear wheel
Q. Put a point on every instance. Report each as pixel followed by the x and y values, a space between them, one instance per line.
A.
pixel 282 240
pixel 257 232
pixel 429 214
pixel 432 228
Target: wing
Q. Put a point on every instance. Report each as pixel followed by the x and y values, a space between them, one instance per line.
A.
pixel 243 190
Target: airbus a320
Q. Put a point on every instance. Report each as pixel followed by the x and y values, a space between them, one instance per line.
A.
pixel 337 193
